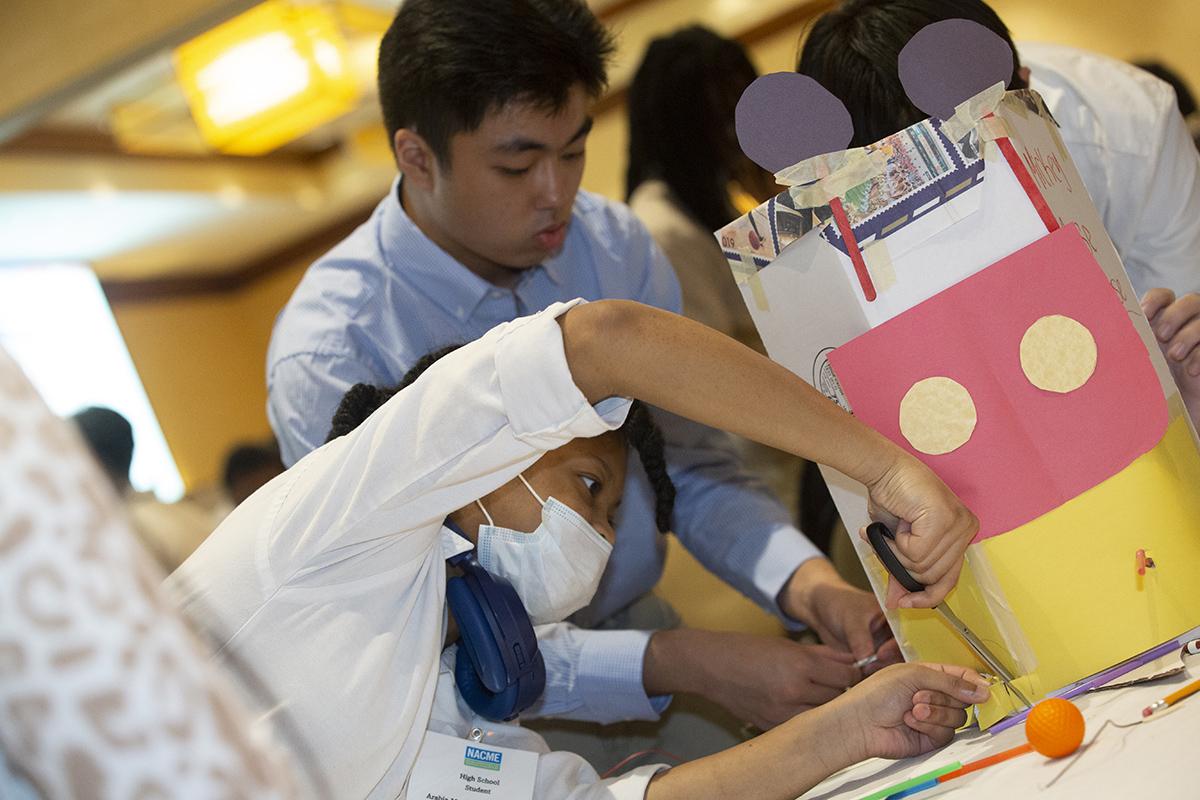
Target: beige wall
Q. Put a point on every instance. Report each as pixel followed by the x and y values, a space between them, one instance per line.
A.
pixel 202 360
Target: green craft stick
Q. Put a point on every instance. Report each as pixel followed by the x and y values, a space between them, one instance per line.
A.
pixel 911 782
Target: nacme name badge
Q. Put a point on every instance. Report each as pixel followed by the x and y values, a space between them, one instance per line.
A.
pixel 450 768
pixel 483 758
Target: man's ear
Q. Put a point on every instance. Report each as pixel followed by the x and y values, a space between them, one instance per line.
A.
pixel 1023 73
pixel 415 158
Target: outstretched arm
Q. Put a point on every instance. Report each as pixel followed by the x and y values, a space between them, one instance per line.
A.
pixel 901 711
pixel 623 348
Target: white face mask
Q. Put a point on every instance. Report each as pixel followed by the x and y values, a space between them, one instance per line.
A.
pixel 555 569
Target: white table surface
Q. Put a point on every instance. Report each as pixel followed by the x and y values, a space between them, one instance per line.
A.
pixel 1159 758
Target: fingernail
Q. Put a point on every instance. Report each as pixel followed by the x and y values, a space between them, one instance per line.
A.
pixel 1177 352
pixel 1164 332
pixel 977 694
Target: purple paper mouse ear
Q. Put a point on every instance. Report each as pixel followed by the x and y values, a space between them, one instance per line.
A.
pixel 783 118
pixel 951 61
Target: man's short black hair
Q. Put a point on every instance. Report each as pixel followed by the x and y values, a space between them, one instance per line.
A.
pixel 444 64
pixel 852 51
pixel 110 438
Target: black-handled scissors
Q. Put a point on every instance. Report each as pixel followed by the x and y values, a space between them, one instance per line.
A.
pixel 878 535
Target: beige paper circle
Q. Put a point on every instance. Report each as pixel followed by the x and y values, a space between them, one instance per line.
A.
pixel 937 415
pixel 1058 354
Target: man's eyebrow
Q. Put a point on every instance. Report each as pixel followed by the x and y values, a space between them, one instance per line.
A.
pixel 521 144
pixel 583 131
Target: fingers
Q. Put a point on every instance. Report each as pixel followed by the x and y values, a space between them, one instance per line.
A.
pixel 829 673
pixel 962 683
pixel 889 653
pixel 1155 301
pixel 1169 320
pixel 939 735
pixel 1183 343
pixel 940 710
pixel 859 636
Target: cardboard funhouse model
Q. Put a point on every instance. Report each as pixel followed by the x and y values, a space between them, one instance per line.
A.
pixel 953 287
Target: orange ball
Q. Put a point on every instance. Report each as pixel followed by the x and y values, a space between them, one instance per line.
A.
pixel 1054 727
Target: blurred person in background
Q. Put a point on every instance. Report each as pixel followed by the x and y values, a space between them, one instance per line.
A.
pixel 247 467
pixel 687 177
pixel 170 531
pixel 1184 98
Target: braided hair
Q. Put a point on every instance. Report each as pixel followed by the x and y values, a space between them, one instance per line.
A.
pixel 640 430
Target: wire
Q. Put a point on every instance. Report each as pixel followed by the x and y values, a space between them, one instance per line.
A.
pixel 639 754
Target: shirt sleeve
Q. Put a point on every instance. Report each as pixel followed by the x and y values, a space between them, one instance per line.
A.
pixel 1165 249
pixel 303 391
pixel 468 425
pixel 728 518
pixel 569 777
pixel 594 676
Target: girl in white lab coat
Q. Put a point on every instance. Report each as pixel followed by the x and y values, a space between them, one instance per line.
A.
pixel 326 589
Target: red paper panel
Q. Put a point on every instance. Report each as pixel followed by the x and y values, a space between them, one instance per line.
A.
pixel 1032 450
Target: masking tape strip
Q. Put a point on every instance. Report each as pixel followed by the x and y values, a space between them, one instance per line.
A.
pixel 817 167
pixel 993 128
pixel 858 167
pixel 968 113
pixel 880 267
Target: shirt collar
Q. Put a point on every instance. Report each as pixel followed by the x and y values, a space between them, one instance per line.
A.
pixel 452 544
pixel 444 279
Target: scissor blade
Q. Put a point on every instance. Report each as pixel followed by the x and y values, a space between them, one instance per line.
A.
pixel 982 651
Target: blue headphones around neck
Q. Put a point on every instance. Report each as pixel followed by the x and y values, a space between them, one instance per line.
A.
pixel 504 672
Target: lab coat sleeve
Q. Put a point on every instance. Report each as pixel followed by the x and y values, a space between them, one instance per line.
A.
pixel 569 777
pixel 1166 249
pixel 469 424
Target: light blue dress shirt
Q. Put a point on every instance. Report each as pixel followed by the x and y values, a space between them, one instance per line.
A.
pixel 387 295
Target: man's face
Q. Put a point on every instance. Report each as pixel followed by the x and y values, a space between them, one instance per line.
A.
pixel 504 202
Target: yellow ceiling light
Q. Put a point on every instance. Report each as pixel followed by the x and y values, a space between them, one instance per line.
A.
pixel 267 77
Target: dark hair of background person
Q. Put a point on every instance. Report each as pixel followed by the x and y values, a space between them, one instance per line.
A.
pixel 109 437
pixel 640 430
pixel 248 466
pixel 852 51
pixel 1183 95
pixel 444 64
pixel 681 120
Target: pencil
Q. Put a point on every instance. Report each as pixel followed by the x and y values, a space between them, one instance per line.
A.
pixel 1171 699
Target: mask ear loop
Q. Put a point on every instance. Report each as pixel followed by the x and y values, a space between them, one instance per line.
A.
pixel 537 496
pixel 486 515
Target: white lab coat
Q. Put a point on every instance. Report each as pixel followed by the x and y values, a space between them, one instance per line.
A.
pixel 1136 157
pixel 326 588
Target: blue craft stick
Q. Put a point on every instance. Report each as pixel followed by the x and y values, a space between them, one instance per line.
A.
pixel 910 791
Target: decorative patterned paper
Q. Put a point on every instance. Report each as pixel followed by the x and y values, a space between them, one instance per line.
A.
pixel 1032 450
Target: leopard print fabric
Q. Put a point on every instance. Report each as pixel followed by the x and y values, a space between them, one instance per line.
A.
pixel 104 693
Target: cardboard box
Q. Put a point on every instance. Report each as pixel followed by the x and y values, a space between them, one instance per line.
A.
pixel 938 265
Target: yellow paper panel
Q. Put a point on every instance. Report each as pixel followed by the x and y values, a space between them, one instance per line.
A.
pixel 1069 577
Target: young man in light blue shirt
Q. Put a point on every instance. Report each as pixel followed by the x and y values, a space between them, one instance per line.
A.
pixel 487 107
